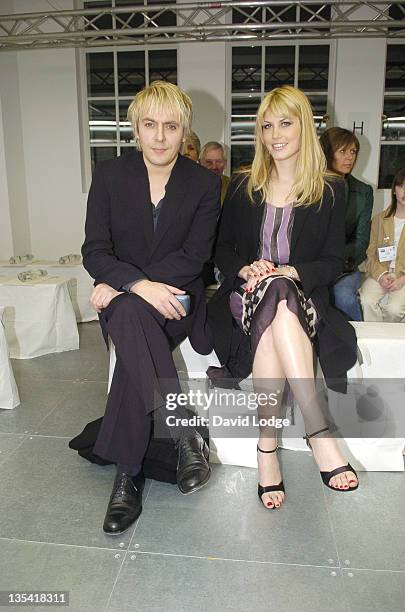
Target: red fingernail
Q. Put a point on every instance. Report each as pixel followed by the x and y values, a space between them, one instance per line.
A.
pixel 269 504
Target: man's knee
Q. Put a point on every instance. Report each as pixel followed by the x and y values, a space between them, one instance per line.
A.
pixel 127 308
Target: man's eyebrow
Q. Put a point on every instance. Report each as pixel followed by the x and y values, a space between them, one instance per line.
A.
pixel 164 123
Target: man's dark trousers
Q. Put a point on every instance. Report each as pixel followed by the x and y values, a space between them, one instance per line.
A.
pixel 143 341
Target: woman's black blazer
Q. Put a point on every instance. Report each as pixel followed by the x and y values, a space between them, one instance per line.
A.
pixel 317 253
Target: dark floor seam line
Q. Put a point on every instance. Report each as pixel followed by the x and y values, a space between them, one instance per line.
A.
pixel 115 581
pixel 38 425
pixel 347 602
pixel 61 544
pixel 137 522
pixel 370 569
pixel 34 435
pixel 11 453
pixel 208 558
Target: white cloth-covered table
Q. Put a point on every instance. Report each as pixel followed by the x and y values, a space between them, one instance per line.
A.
pixel 8 389
pixel 38 317
pixel 80 288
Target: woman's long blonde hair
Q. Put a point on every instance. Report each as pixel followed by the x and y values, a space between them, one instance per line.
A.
pixel 308 187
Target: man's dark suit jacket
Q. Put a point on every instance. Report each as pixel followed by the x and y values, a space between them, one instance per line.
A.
pixel 316 251
pixel 121 245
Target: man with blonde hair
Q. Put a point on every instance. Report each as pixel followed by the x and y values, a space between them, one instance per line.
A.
pixel 150 226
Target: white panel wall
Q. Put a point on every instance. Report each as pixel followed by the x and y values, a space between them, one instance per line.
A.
pixel 50 120
pixel 201 70
pixel 6 239
pixel 13 192
pixel 359 94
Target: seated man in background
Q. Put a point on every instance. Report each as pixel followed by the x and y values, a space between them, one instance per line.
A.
pixel 151 222
pixel 213 157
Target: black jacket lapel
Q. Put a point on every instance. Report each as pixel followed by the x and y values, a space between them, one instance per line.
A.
pixel 300 217
pixel 175 198
pixel 138 186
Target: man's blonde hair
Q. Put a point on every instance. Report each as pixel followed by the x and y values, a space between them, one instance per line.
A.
pixel 288 101
pixel 162 95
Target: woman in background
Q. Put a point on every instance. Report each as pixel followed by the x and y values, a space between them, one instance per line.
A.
pixel 341 149
pixel 385 267
pixel 191 147
pixel 280 245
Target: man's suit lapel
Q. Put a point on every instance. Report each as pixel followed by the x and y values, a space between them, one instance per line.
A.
pixel 176 189
pixel 138 185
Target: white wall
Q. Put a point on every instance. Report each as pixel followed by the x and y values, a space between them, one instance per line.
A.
pixel 6 238
pixel 359 98
pixel 50 120
pixel 201 70
pixel 16 230
pixel 42 173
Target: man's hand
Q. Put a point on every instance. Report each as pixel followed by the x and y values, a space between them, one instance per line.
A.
pixel 397 284
pixel 162 297
pixel 102 295
pixel 386 281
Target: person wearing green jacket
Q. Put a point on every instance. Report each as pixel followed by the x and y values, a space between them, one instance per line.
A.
pixel 341 148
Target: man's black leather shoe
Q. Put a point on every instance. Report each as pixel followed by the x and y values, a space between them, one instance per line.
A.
pixel 125 503
pixel 193 471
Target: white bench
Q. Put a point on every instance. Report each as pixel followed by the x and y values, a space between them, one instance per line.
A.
pixel 383 350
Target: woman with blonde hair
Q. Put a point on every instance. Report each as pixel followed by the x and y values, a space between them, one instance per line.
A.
pixel 280 246
pixel 382 294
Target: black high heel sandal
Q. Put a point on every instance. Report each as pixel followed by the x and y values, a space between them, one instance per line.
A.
pixel 326 476
pixel 270 488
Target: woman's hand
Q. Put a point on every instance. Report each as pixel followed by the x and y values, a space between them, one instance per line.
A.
pixel 398 283
pixel 262 266
pixel 256 272
pixel 386 281
pixel 102 295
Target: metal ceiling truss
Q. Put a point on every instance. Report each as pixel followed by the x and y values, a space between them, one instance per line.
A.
pixel 203 21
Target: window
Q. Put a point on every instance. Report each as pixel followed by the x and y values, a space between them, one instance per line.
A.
pixel 113 77
pixel 392 150
pixel 256 69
